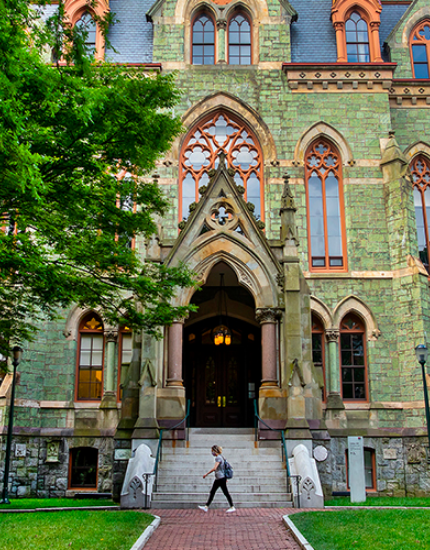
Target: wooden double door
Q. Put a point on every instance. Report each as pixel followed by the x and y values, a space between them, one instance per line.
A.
pixel 222 381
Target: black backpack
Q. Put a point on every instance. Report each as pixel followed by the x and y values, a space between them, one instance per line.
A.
pixel 228 470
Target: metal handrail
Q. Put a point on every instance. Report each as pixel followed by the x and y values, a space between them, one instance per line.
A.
pixel 284 445
pixel 159 454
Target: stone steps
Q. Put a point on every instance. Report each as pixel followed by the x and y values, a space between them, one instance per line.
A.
pixel 205 487
pixel 259 473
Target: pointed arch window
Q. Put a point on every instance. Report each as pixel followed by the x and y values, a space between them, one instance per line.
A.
pixel 353 359
pixel 89 385
pixel 87 24
pixel 326 224
pixel 125 351
pixel 420 49
pixel 203 40
pixel 420 169
pixel 318 349
pixel 239 40
pixel 225 133
pixel 357 39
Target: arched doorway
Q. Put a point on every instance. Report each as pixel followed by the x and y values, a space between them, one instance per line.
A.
pixel 222 381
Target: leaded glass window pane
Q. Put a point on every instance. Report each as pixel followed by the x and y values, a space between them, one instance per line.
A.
pixel 239 40
pixel 357 39
pixel 221 133
pixel 324 206
pixel 203 48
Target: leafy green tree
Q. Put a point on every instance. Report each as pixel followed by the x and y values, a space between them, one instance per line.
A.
pixel 66 130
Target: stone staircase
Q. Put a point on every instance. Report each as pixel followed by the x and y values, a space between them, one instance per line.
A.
pixel 259 473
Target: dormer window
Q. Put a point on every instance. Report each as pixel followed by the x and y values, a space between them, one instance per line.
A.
pixel 357 39
pixel 357 30
pixel 239 40
pixel 203 40
pixel 420 45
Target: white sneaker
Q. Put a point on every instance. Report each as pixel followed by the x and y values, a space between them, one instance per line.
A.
pixel 204 508
pixel 232 509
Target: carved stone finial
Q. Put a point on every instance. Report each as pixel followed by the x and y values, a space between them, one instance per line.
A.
pixel 287 189
pixel 287 213
pixel 222 159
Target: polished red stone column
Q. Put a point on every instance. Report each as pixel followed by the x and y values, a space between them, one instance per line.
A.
pixel 174 373
pixel 268 318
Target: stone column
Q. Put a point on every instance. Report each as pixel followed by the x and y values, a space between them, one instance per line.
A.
pixel 374 42
pixel 332 374
pixel 268 319
pixel 221 25
pixel 109 395
pixel 339 27
pixel 174 374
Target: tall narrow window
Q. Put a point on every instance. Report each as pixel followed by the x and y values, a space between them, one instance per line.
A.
pixel 353 359
pixel 318 351
pixel 203 40
pixel 87 24
pixel 325 207
pixel 357 39
pixel 125 201
pixel 125 349
pixel 239 40
pixel 420 50
pixel 420 168
pixel 90 363
pixel 221 133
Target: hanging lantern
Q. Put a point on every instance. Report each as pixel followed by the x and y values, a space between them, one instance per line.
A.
pixel 221 334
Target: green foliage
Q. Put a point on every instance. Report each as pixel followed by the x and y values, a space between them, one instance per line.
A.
pixel 75 530
pixel 364 529
pixel 66 131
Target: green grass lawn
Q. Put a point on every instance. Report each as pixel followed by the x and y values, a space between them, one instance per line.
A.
pixel 364 529
pixel 75 530
pixel 28 503
pixel 380 501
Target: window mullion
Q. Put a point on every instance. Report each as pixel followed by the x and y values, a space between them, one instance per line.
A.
pixel 426 227
pixel 326 249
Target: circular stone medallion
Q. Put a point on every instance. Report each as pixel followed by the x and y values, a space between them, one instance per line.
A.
pixel 320 453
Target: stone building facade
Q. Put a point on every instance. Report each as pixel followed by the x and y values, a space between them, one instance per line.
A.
pixel 299 189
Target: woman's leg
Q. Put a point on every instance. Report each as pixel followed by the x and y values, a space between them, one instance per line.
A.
pixel 214 489
pixel 223 485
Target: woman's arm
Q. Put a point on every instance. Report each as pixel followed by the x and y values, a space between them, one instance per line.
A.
pixel 213 469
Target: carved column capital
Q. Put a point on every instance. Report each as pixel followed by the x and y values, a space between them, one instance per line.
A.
pixel 339 25
pixel 180 320
pixel 221 24
pixel 332 335
pixel 111 335
pixel 267 315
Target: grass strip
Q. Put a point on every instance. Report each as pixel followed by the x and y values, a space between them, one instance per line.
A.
pixel 380 501
pixel 364 529
pixel 34 503
pixel 75 530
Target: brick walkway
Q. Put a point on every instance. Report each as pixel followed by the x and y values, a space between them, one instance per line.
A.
pixel 246 529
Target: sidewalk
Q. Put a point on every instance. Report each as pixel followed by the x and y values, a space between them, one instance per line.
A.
pixel 245 529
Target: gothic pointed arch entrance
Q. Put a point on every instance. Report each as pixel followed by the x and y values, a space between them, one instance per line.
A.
pixel 222 381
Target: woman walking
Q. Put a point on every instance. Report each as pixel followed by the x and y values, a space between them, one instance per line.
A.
pixel 220 480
